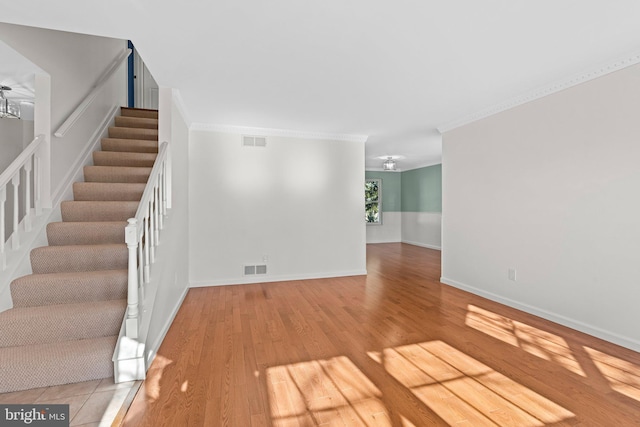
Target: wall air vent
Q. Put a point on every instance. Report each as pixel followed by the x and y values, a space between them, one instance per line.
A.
pixel 254 141
pixel 250 270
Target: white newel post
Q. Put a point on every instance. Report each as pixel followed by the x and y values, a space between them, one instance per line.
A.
pixel 131 238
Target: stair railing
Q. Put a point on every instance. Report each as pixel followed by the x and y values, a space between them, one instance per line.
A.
pixel 86 102
pixel 142 237
pixel 20 171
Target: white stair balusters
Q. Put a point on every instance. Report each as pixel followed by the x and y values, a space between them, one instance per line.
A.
pixel 142 236
pixel 26 163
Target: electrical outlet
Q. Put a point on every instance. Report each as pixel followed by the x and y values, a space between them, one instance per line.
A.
pixel 512 274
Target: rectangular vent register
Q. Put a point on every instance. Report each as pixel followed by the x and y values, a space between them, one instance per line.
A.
pixel 254 141
pixel 250 270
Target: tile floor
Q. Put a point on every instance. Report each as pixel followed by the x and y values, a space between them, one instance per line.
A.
pixel 91 403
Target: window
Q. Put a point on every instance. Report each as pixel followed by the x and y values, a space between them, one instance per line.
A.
pixel 373 201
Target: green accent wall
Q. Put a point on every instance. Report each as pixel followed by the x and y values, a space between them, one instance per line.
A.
pixel 391 189
pixel 417 190
pixel 421 189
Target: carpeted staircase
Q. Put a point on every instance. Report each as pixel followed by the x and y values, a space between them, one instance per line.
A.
pixel 67 314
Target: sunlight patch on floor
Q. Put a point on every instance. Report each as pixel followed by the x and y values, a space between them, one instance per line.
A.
pixel 154 375
pixel 623 376
pixel 462 390
pixel 455 386
pixel 534 341
pixel 324 392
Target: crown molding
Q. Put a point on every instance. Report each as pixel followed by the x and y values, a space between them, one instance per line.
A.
pixel 423 165
pixel 418 166
pixel 382 170
pixel 557 86
pixel 246 130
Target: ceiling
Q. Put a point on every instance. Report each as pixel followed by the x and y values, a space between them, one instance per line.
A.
pixel 394 71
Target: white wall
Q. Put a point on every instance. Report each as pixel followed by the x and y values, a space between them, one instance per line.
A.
pixel 12 135
pixel 552 189
pixel 75 62
pixel 171 267
pixel 298 202
pixel 389 231
pixel 422 229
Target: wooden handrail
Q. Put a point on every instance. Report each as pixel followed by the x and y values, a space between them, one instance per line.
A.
pixel 80 109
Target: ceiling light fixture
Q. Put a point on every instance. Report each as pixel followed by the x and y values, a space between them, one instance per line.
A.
pixel 8 109
pixel 389 164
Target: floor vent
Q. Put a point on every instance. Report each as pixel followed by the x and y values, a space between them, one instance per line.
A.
pixel 254 141
pixel 250 270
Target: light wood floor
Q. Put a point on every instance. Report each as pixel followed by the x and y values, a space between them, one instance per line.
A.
pixel 395 348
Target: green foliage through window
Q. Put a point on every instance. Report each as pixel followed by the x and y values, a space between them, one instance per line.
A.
pixel 372 200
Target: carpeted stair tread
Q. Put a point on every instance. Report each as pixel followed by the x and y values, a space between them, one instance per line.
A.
pixel 62 322
pixel 69 288
pixel 107 191
pixel 74 258
pixel 85 232
pixel 133 133
pixel 129 145
pixel 64 325
pixel 116 174
pixel 98 210
pixel 138 112
pixel 120 158
pixel 44 365
pixel 136 122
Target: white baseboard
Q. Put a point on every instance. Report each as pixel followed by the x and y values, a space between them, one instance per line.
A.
pixel 373 242
pixel 548 315
pixel 422 245
pixel 269 279
pixel 152 350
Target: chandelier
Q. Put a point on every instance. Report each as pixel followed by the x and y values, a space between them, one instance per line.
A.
pixel 8 109
pixel 389 164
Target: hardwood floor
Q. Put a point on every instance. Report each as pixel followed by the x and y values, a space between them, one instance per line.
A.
pixel 394 348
